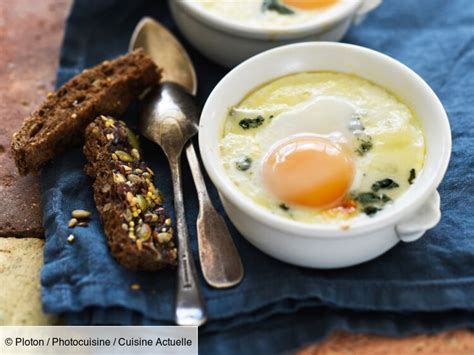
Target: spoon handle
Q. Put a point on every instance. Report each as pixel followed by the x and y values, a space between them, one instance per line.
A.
pixel 190 308
pixel 220 260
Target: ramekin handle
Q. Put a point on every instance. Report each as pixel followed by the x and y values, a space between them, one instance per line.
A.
pixel 364 9
pixel 427 216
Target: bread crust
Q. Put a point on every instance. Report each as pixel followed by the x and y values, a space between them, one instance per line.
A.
pixel 139 233
pixel 59 122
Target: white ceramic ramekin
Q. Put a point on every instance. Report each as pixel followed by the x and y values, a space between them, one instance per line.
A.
pixel 229 43
pixel 321 245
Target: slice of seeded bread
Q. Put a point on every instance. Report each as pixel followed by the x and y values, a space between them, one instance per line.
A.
pixel 139 233
pixel 59 122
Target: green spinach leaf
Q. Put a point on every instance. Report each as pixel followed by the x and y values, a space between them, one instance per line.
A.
pixel 275 5
pixel 412 176
pixel 247 123
pixel 371 210
pixel 384 184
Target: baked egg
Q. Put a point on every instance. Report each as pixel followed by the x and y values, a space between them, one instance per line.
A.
pixel 271 14
pixel 322 147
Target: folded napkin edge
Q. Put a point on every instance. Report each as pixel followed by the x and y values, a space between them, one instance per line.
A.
pixel 76 298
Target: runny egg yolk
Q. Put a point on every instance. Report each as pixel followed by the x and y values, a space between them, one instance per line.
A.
pixel 310 4
pixel 309 171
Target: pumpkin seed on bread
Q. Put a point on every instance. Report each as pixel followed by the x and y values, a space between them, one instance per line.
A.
pixel 139 233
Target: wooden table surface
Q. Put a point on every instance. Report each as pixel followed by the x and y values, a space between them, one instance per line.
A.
pixel 30 37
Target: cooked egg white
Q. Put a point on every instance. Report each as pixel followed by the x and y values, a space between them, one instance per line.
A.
pixel 253 13
pixel 324 115
pixel 296 145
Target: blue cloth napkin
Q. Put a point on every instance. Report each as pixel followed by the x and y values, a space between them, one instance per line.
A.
pixel 425 286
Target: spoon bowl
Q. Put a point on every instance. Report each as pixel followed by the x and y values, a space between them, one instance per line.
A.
pixel 166 51
pixel 167 117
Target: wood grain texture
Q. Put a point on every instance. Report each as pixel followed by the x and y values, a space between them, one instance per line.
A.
pixel 30 36
pixel 448 343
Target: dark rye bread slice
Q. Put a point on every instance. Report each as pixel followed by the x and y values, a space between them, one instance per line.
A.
pixel 59 122
pixel 139 233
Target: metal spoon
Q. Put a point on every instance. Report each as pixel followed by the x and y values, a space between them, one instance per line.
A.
pixel 220 261
pixel 163 121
